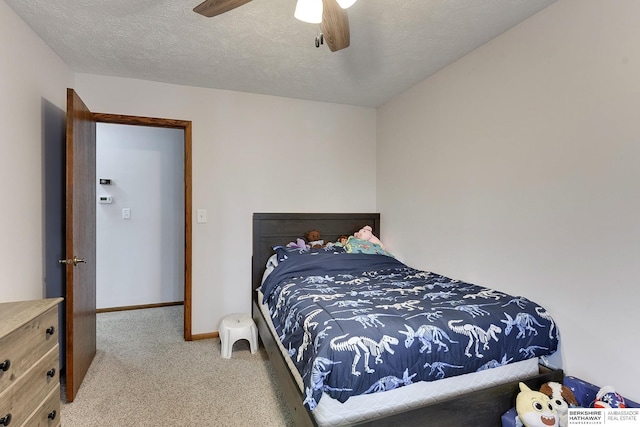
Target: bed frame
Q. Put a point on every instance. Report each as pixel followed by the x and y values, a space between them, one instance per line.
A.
pixel 479 408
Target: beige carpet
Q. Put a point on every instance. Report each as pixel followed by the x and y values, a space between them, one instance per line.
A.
pixel 145 374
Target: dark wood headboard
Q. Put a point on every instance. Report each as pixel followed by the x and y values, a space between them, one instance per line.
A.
pixel 271 229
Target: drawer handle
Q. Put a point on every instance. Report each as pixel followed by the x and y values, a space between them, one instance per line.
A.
pixel 52 415
pixel 51 372
pixel 4 366
pixel 6 420
pixel 50 330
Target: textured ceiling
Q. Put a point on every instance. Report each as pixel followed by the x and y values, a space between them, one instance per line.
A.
pixel 261 48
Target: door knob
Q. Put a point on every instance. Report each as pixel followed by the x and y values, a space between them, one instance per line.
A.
pixel 75 261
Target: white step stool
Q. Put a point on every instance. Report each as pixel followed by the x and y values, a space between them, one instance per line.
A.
pixel 236 327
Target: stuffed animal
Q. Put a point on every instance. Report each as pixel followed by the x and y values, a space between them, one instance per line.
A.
pixel 366 233
pixel 562 398
pixel 313 237
pixel 535 409
pixel 299 244
pixel 608 398
pixel 342 240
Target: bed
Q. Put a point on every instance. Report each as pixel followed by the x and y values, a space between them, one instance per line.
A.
pixel 473 404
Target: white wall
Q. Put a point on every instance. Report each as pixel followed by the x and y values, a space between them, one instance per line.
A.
pixel 32 80
pixel 251 153
pixel 519 170
pixel 140 259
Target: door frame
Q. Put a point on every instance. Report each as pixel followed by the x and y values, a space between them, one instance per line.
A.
pixel 185 125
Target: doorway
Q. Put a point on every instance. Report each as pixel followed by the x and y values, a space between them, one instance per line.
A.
pixel 139 217
pixel 185 126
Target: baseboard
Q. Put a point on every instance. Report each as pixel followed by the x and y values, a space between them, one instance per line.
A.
pixel 138 307
pixel 206 336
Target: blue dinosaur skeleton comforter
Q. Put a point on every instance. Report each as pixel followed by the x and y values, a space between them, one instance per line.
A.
pixel 358 323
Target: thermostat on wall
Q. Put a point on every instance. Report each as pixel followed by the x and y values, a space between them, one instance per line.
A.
pixel 105 199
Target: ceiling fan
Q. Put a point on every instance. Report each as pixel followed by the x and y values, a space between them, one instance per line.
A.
pixel 330 14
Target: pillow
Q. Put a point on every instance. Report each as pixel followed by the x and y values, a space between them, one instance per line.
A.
pixel 359 246
pixel 272 263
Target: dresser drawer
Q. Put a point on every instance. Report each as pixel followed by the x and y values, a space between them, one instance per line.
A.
pixel 48 413
pixel 25 345
pixel 28 392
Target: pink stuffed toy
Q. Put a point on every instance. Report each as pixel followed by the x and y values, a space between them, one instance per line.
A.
pixel 366 233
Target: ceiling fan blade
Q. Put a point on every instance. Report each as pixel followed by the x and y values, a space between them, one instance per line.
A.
pixel 211 8
pixel 335 25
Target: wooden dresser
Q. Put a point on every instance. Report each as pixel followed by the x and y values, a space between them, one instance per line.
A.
pixel 29 363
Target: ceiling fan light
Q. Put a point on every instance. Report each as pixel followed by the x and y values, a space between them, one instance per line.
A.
pixel 346 4
pixel 309 11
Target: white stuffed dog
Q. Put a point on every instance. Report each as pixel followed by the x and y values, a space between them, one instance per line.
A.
pixel 561 398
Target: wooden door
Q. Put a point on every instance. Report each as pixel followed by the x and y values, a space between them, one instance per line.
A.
pixel 80 239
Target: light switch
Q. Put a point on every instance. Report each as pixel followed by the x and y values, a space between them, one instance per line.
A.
pixel 126 213
pixel 201 216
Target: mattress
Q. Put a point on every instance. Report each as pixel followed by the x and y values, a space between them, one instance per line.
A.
pixel 357 409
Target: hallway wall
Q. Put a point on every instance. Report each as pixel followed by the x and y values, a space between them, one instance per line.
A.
pixel 140 258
